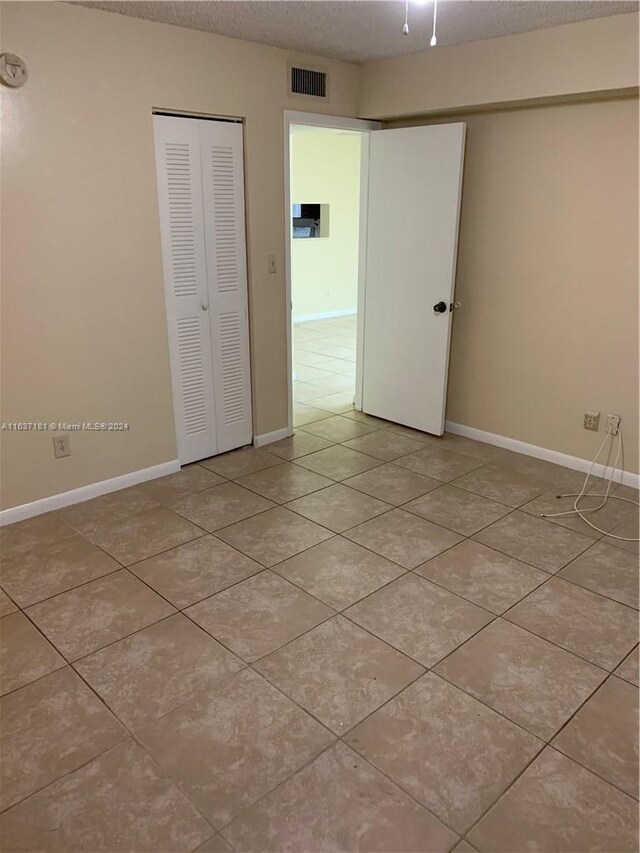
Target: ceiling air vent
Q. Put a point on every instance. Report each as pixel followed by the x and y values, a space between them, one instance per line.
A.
pixel 310 82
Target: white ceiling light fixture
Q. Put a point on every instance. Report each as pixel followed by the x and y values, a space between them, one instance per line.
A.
pixel 405 26
pixel 434 40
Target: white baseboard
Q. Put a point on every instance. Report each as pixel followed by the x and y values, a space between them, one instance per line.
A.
pixel 84 493
pixel 574 462
pixel 327 315
pixel 270 437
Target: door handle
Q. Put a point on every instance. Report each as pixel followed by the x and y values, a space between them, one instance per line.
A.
pixel 440 307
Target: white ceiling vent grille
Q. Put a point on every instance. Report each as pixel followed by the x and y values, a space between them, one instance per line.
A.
pixel 309 82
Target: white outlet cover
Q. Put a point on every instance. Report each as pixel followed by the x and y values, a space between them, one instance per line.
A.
pixel 61 446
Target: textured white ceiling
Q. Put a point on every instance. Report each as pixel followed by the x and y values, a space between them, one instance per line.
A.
pixel 358 30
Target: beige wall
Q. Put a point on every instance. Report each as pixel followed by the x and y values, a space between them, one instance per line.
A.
pixel 548 275
pixel 84 335
pixel 325 169
pixel 590 57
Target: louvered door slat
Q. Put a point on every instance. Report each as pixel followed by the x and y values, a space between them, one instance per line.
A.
pixel 224 218
pixel 186 287
pixel 223 194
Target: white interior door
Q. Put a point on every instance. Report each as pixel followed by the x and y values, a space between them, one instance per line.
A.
pixel 224 218
pixel 186 292
pixel 415 184
pixel 201 200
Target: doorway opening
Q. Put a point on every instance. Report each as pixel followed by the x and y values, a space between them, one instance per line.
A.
pixel 325 167
pixel 326 171
pixel 408 182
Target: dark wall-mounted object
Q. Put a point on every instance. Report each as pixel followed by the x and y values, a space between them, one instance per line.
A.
pixel 310 220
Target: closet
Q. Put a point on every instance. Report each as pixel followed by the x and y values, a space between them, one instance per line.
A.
pixel 201 201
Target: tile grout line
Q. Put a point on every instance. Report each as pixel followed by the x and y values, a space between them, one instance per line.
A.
pixel 340 612
pixel 414 660
pixel 567 722
pixel 365 759
pixel 273 566
pixel 72 663
pixel 339 738
pixel 550 745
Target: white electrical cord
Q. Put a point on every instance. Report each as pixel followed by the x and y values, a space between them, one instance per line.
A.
pixel 583 492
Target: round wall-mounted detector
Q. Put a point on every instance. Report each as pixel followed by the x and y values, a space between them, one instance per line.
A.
pixel 13 70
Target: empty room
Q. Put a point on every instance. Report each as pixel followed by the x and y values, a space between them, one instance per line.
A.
pixel 319 448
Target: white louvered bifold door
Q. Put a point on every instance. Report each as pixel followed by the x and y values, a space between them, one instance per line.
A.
pixel 186 289
pixel 224 218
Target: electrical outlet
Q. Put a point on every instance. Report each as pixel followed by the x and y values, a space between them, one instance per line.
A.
pixel 62 445
pixel 272 264
pixel 591 421
pixel 613 423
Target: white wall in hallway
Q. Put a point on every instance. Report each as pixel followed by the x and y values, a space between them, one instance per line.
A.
pixel 325 169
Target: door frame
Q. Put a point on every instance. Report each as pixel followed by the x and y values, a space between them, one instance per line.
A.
pixel 292 117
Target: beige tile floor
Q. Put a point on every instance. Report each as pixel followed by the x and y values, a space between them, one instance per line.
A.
pixel 362 638
pixel 324 365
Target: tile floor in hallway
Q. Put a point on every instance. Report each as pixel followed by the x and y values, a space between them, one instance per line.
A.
pixel 324 367
pixel 361 638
